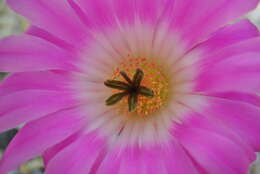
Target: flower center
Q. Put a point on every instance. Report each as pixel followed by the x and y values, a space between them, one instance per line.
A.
pixel 139 87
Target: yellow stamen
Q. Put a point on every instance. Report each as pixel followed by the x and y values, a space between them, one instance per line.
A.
pixel 154 78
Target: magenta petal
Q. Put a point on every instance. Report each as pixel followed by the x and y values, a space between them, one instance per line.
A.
pixel 214 153
pixel 108 13
pixel 153 160
pixel 45 80
pixel 228 35
pixel 38 135
pixel 177 160
pixel 54 16
pixel 36 31
pixel 27 105
pixel 28 53
pixel 243 69
pixel 149 11
pixel 196 19
pixel 195 120
pixel 52 151
pixel 253 99
pixel 125 10
pixel 95 14
pixel 251 45
pixel 141 160
pixel 79 157
pixel 241 117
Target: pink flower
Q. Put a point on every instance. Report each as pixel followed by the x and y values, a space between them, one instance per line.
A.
pixel 132 87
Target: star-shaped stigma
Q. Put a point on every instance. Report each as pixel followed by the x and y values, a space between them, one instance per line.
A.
pixel 131 88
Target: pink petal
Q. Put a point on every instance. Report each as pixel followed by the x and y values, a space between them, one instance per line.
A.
pixel 242 69
pixel 178 160
pixel 54 16
pixel 79 157
pixel 28 53
pixel 36 31
pixel 153 160
pixel 130 160
pixel 141 160
pixel 224 39
pixel 38 135
pixel 147 11
pixel 27 105
pixel 245 46
pixel 46 80
pixel 106 13
pixel 196 19
pixel 241 117
pixel 52 151
pixel 94 14
pixel 253 99
pixel 214 153
pixel 228 35
pixel 195 120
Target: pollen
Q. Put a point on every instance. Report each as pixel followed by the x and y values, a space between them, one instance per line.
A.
pixel 155 78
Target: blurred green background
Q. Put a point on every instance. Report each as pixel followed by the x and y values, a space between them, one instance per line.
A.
pixel 11 23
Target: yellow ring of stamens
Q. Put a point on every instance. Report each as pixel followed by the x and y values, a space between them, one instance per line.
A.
pixel 154 78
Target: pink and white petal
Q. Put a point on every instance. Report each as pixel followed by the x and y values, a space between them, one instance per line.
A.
pixel 132 160
pixel 177 160
pixel 109 13
pixel 105 166
pixel 79 157
pixel 251 45
pixel 242 69
pixel 28 105
pixel 45 80
pixel 233 39
pixel 101 22
pixel 147 11
pixel 35 137
pixel 214 153
pixel 96 15
pixel 39 32
pixel 253 99
pixel 148 160
pixel 197 19
pixel 28 53
pixel 137 160
pixel 198 121
pixel 54 16
pixel 228 35
pixel 241 117
pixel 52 151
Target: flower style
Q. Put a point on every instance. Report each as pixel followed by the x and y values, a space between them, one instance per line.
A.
pixel 132 87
